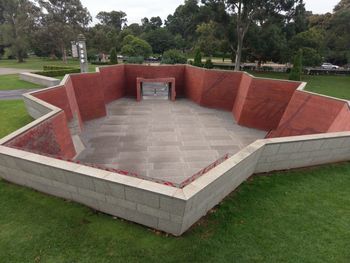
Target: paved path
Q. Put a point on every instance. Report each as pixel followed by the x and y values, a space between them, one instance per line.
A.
pixel 8 71
pixel 13 94
pixel 162 139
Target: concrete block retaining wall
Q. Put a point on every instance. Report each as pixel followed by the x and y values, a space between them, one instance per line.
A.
pixel 162 207
pixel 158 206
pixel 38 79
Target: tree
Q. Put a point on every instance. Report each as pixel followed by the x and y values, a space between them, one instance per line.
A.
pixel 136 47
pixel 296 71
pixel 198 59
pixel 63 21
pixel 208 41
pixel 247 12
pixel 114 19
pixel 18 21
pixel 160 39
pixel 173 56
pixel 113 56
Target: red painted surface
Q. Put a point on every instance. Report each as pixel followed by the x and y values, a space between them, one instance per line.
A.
pixel 132 72
pixel 241 96
pixel 310 114
pixel 220 89
pixel 51 137
pixel 139 81
pixel 265 103
pixel 89 94
pixel 57 97
pixel 194 83
pixel 113 82
pixel 342 121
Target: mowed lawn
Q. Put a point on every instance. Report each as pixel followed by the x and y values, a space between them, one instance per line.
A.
pixel 335 86
pixel 13 82
pixel 38 63
pixel 13 115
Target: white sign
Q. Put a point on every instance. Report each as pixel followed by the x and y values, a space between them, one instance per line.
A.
pixel 75 51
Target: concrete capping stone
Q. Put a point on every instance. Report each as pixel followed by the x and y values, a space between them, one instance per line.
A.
pixel 39 79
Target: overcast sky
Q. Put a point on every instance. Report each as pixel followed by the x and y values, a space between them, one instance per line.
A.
pixel 138 9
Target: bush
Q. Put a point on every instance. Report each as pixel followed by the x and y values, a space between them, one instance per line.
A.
pixel 173 56
pixel 56 73
pixel 53 67
pixel 296 71
pixel 113 57
pixel 198 59
pixel 311 57
pixel 135 60
pixel 208 64
pixel 101 63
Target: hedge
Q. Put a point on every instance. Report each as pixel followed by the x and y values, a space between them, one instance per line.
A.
pixel 53 67
pixel 56 73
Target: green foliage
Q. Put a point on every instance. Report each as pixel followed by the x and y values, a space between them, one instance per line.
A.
pixel 208 64
pixel 160 39
pixel 311 58
pixel 135 60
pixel 113 56
pixel 296 71
pixel 13 82
pixel 55 67
pixel 198 59
pixel 59 72
pixel 135 47
pixel 18 22
pixel 173 56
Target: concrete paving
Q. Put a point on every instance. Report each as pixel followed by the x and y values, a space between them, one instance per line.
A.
pixel 162 139
pixel 8 71
pixel 13 94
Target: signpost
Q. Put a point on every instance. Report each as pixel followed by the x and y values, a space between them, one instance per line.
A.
pixel 79 51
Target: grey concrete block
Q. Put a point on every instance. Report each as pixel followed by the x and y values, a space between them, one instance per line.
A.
pixel 142 197
pixel 141 218
pixel 172 205
pixel 92 194
pixel 153 211
pixel 121 202
pixel 170 226
pixel 81 181
pixel 109 188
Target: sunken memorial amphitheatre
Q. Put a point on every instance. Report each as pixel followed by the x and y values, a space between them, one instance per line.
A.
pixel 162 145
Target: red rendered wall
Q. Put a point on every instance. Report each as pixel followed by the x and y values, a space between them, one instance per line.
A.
pixel 194 83
pixel 57 97
pixel 113 82
pixel 265 103
pixel 52 137
pixel 220 89
pixel 132 72
pixel 308 114
pixel 241 96
pixel 89 94
pixel 342 121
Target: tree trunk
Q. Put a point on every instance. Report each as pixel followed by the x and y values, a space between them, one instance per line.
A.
pixel 64 54
pixel 239 52
pixel 20 58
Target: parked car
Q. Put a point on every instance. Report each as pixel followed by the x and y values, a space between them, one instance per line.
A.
pixel 329 66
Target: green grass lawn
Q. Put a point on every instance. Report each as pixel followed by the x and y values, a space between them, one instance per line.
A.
pixel 299 216
pixel 38 63
pixel 336 86
pixel 13 115
pixel 12 82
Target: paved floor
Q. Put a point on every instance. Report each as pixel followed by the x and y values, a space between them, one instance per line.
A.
pixel 162 139
pixel 13 94
pixel 8 71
